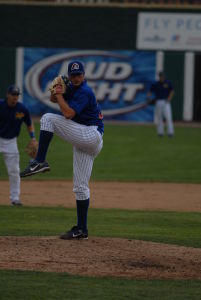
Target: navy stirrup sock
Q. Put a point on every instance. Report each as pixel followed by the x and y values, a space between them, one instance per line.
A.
pixel 82 212
pixel 44 141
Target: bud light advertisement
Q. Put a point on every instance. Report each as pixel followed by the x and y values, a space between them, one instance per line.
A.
pixel 119 79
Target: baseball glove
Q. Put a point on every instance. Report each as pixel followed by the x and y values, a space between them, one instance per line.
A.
pixel 32 148
pixel 59 85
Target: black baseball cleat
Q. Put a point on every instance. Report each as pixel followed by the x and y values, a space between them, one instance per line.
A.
pixel 16 203
pixel 35 167
pixel 74 234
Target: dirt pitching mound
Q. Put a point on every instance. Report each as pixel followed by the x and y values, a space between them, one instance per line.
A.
pixel 101 257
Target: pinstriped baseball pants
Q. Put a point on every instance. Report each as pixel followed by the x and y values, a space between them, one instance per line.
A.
pixel 87 142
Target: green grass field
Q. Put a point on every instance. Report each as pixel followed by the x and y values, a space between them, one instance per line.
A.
pixel 130 153
pixel 35 285
pixel 179 228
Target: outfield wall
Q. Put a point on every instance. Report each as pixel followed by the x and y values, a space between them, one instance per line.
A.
pixel 100 28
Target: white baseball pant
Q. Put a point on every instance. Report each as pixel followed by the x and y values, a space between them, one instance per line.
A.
pixel 9 149
pixel 163 110
pixel 87 143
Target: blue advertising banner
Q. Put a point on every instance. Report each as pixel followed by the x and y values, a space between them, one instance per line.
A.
pixel 120 80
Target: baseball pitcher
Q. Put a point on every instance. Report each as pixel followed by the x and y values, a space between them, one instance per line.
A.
pixel 81 124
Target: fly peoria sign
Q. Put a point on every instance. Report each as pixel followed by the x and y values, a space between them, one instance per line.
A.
pixel 169 31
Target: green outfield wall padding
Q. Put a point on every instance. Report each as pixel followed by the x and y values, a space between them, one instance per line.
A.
pixel 68 27
pixel 7 74
pixel 174 69
pixel 80 27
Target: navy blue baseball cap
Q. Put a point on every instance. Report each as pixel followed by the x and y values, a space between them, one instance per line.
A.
pixel 13 90
pixel 75 67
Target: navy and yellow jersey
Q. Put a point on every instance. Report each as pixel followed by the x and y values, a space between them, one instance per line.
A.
pixel 11 119
pixel 83 101
pixel 161 90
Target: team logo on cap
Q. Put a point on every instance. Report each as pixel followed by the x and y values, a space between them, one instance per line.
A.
pixel 75 66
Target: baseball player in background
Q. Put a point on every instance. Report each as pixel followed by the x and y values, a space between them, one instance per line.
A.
pixel 163 92
pixel 12 115
pixel 81 124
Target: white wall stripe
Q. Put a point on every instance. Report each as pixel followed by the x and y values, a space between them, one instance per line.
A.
pixel 19 63
pixel 188 86
pixel 159 67
pixel 159 62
